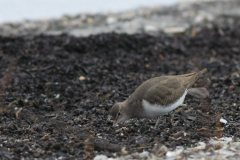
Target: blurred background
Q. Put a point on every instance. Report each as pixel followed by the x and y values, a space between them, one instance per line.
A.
pixel 17 10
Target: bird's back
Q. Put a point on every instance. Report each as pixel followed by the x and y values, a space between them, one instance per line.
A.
pixel 165 89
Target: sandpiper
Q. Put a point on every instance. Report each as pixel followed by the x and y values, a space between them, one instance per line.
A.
pixel 155 97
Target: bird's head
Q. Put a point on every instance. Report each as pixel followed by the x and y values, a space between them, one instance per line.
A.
pixel 119 112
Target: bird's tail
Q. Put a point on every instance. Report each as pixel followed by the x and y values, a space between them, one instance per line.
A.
pixel 192 77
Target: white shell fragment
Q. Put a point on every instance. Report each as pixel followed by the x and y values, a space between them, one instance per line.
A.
pixel 177 151
pixel 57 96
pixel 101 157
pixel 200 146
pixel 223 120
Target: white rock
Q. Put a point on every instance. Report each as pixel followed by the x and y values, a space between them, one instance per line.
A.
pixel 161 151
pixel 177 151
pixel 175 30
pixel 144 154
pixel 100 157
pixel 150 28
pixel 223 120
pixel 226 139
pixel 225 152
pixel 111 20
pixel 81 78
pixel 201 145
pixel 57 96
pixel 221 142
pixel 202 15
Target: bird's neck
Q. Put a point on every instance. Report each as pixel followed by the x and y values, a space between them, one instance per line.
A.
pixel 134 107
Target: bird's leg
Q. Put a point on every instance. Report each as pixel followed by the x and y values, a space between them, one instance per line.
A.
pixel 183 106
pixel 171 116
pixel 158 119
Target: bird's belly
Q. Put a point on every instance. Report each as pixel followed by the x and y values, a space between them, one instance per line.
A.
pixel 154 110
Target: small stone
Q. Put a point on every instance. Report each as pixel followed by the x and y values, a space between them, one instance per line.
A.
pixel 175 30
pixel 191 118
pixel 150 28
pixel 203 16
pixel 235 74
pixel 111 20
pixel 177 151
pixel 100 157
pixel 218 146
pixel 144 154
pixel 232 149
pixel 124 151
pixel 161 151
pixel 231 87
pixel 81 78
pixel 57 96
pixel 201 146
pixel 211 149
pixel 223 121
pixel 90 20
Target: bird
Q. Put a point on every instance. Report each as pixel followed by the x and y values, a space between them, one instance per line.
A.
pixel 154 97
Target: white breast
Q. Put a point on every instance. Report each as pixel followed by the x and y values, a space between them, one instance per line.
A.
pixel 154 110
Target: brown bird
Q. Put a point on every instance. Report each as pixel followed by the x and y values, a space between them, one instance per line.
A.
pixel 155 97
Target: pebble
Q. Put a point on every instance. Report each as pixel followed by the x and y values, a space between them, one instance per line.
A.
pixel 111 20
pixel 176 152
pixel 149 28
pixel 100 157
pixel 175 30
pixel 81 78
pixel 223 120
pixel 161 151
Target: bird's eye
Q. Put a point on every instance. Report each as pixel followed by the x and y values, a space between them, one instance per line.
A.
pixel 119 113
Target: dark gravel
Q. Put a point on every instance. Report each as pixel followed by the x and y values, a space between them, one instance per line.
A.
pixel 56 92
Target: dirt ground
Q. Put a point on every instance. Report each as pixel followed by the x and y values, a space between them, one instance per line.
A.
pixel 56 92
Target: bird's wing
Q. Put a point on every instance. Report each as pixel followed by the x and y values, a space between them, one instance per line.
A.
pixel 165 92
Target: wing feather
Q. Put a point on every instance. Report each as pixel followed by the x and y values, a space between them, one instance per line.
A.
pixel 165 92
